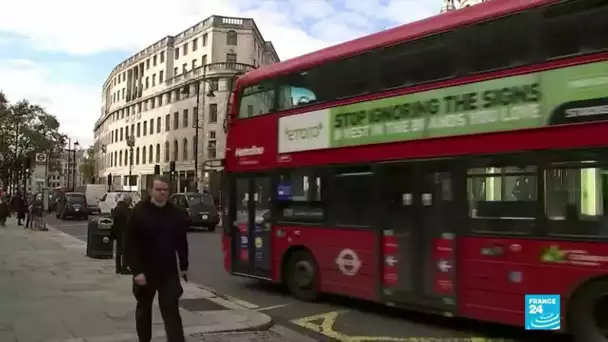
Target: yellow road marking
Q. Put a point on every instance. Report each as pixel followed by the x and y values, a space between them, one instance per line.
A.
pixel 324 324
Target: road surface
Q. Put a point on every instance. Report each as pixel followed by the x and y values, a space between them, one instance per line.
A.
pixel 334 318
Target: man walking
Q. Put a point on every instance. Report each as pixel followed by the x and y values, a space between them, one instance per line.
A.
pixel 120 216
pixel 156 232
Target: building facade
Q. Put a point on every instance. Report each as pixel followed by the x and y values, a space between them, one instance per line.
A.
pixel 67 175
pixel 168 103
pixel 450 5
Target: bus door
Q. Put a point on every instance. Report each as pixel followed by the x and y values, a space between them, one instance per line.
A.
pixel 249 210
pixel 417 237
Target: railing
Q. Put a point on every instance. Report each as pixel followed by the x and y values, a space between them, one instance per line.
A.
pixel 211 70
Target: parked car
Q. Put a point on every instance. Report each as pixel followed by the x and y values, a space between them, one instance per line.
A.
pixel 200 208
pixel 72 204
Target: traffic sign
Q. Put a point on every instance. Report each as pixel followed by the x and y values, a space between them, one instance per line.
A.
pixel 40 158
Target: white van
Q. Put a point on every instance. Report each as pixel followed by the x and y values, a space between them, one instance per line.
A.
pixel 94 193
pixel 109 200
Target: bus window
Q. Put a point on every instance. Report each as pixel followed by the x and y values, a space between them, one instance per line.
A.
pixel 257 100
pixel 303 88
pixel 498 44
pixel 299 196
pixel 352 202
pixel 502 199
pixel 574 27
pixel 576 200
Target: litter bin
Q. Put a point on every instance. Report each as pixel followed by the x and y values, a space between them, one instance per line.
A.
pixel 98 229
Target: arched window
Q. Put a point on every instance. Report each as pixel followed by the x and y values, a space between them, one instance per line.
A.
pixel 111 159
pixel 167 152
pixel 231 38
pixel 143 155
pixel 175 150
pixel 185 149
pixel 137 156
pixel 120 158
pixel 150 154
pixel 127 156
pixel 158 153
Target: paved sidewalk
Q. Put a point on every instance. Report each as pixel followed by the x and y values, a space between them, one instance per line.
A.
pixel 50 291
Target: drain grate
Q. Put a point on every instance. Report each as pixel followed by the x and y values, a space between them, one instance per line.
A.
pixel 200 304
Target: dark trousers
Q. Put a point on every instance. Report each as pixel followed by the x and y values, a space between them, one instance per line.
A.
pixel 169 291
pixel 120 265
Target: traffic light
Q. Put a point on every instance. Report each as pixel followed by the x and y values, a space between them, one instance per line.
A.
pixel 157 169
pixel 172 166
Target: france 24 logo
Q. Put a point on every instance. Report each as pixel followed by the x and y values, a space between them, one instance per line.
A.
pixel 543 312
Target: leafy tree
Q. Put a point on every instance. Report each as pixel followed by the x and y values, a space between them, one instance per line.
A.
pixel 88 167
pixel 26 129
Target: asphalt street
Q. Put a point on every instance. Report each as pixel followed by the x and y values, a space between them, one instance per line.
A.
pixel 334 318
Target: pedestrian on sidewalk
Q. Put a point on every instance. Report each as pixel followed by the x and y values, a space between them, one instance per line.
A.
pixel 20 208
pixel 120 216
pixel 156 232
pixel 5 211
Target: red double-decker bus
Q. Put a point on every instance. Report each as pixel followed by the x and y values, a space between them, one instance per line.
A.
pixel 455 164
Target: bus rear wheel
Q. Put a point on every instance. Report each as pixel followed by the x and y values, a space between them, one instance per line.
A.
pixel 589 311
pixel 303 276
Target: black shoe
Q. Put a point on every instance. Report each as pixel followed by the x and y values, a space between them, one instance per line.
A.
pixel 125 272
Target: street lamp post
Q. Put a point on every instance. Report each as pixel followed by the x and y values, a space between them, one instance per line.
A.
pixel 76 144
pixel 102 161
pixel 131 144
pixel 196 124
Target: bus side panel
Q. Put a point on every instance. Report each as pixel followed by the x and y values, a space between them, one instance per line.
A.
pixel 495 274
pixel 353 249
pixel 226 252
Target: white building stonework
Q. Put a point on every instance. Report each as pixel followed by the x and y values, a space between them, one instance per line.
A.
pixel 152 96
pixel 450 5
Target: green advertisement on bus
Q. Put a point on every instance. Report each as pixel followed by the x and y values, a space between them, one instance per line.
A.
pixel 561 96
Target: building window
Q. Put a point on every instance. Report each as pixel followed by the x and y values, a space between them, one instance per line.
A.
pixel 120 158
pixel 185 47
pixel 132 130
pixel 153 80
pixel 194 44
pixel 204 40
pixel 143 155
pixel 161 76
pixel 128 157
pixel 231 58
pixel 151 126
pixel 185 149
pixel 158 124
pixel 212 149
pixel 204 60
pixel 175 150
pixel 145 128
pixel 176 53
pixel 167 151
pixel 213 84
pixel 231 38
pixel 185 119
pixel 167 123
pixel 150 154
pixel 162 56
pixel 175 71
pixel 154 60
pixel 176 120
pixel 157 153
pixel 147 82
pixel 138 129
pixel 213 113
pixel 121 136
pixel 184 68
pixel 194 64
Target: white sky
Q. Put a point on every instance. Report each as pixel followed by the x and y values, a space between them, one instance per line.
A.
pixel 88 27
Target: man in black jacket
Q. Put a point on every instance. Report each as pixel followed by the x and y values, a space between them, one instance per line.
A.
pixel 156 232
pixel 120 216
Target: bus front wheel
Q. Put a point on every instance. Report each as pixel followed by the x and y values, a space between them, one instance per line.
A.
pixel 303 276
pixel 588 312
